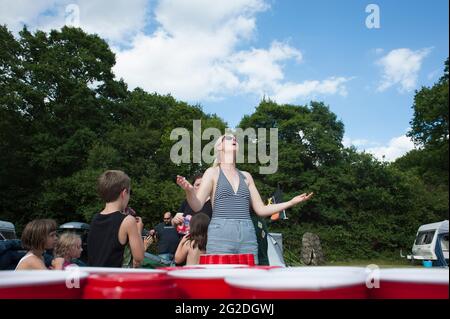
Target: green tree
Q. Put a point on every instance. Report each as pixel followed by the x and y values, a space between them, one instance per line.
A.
pixel 429 126
pixel 429 130
pixel 64 119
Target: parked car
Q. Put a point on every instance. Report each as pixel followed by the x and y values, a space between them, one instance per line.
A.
pixel 7 230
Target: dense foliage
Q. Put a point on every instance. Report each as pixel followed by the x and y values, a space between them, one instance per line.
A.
pixel 65 118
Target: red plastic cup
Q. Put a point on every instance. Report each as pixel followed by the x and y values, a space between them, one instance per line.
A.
pixel 234 259
pixel 404 283
pixel 203 259
pixel 220 259
pixel 224 259
pixel 206 259
pixel 217 259
pixel 213 259
pixel 251 259
pixel 102 288
pixel 243 259
pixel 247 259
pixel 208 283
pixel 131 286
pixel 42 284
pixel 301 283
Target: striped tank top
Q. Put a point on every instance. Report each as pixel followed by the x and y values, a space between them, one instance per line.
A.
pixel 227 203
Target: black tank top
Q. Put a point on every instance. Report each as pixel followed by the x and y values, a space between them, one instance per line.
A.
pixel 104 247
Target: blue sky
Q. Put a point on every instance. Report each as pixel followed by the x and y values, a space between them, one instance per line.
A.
pixel 334 40
pixel 225 55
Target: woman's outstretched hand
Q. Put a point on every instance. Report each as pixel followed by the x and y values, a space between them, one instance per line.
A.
pixel 184 184
pixel 300 198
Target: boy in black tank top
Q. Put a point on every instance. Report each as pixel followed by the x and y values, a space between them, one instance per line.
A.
pixel 110 229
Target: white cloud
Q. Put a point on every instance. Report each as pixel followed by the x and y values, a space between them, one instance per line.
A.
pixel 347 142
pixel 193 16
pixel 114 20
pixel 401 67
pixel 289 92
pixel 181 66
pixel 261 69
pixel 16 13
pixel 195 51
pixel 396 148
pixel 194 56
pixel 191 53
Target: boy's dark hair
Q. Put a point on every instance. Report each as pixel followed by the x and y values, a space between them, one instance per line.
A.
pixel 34 236
pixel 196 176
pixel 111 184
pixel 198 230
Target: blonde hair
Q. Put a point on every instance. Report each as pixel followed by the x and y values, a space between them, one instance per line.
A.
pixel 217 160
pixel 217 153
pixel 65 243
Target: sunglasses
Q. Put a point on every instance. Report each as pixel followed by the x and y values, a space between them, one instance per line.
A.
pixel 228 137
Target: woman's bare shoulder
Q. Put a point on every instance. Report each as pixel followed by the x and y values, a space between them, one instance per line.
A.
pixel 32 262
pixel 212 171
pixel 247 175
pixel 211 174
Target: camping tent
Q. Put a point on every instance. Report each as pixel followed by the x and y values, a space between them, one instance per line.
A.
pixel 275 249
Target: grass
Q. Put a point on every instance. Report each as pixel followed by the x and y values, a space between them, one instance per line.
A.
pixel 382 263
pixel 293 260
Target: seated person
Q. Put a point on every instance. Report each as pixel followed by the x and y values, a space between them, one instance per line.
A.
pixel 38 235
pixel 182 219
pixel 67 249
pixel 193 244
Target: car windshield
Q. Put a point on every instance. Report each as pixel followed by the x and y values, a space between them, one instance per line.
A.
pixel 7 234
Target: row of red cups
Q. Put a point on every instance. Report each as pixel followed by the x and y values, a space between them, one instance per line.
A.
pixel 312 283
pixel 275 283
pixel 87 283
pixel 343 283
pixel 241 259
pixel 227 281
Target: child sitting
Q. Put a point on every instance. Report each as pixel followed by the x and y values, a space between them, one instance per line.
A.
pixel 67 249
pixel 193 244
pixel 38 235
